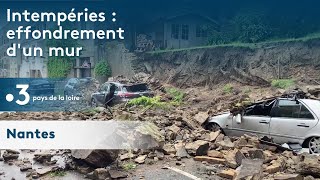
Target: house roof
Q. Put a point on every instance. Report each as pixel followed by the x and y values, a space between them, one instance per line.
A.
pixel 193 14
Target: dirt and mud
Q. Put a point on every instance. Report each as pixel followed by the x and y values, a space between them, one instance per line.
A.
pixel 255 65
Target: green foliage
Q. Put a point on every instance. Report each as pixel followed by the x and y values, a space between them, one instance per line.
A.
pixel 228 88
pixel 129 166
pixel 176 94
pixel 148 102
pixel 244 27
pixel 58 174
pixel 102 68
pixel 282 83
pixel 306 38
pixel 224 35
pixel 250 27
pixel 58 68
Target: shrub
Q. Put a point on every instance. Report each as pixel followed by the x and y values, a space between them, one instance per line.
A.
pixel 129 166
pixel 148 102
pixel 102 68
pixel 228 88
pixel 58 68
pixel 282 83
pixel 176 94
pixel 250 27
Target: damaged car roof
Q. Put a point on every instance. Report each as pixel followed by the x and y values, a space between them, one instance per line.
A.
pixel 314 105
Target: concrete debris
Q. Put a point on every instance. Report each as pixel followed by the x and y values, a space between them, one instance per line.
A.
pixel 169 149
pixel 198 147
pixel 250 169
pixel 201 117
pixel 234 158
pixel 43 157
pixel 126 156
pixel 181 150
pixel 210 159
pixel 226 143
pixel 10 155
pixel 140 159
pixel 228 174
pixel 273 168
pixel 99 174
pixel 44 170
pixel 174 134
pixel 147 135
pixel 96 158
pixel 26 167
pixel 309 165
pixel 215 154
pixel 288 177
pixel 213 135
pixel 115 174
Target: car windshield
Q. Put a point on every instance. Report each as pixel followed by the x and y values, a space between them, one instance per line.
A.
pixel 136 88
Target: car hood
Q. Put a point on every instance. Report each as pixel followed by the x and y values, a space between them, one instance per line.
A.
pixel 221 119
pixel 221 115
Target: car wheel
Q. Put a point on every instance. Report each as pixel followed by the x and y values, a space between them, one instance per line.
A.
pixel 93 103
pixel 213 127
pixel 314 145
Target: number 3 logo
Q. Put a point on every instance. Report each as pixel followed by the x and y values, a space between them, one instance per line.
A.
pixel 23 92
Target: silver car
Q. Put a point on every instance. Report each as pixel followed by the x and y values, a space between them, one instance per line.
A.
pixel 283 120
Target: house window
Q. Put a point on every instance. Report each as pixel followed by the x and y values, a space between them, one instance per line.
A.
pixel 201 31
pixel 175 31
pixel 185 32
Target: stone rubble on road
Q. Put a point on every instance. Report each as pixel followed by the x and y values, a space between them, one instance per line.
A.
pixel 182 136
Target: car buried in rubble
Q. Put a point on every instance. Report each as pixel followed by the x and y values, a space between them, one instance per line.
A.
pixel 111 93
pixel 281 120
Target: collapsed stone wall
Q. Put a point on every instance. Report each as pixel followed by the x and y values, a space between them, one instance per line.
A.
pixel 249 65
pixel 118 57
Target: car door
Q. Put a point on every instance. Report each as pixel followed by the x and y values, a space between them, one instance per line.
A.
pixel 255 120
pixel 257 125
pixel 109 96
pixel 116 97
pixel 291 120
pixel 103 91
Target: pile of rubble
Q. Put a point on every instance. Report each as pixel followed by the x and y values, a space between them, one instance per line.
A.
pixel 246 158
pixel 184 138
pixel 231 158
pixel 144 44
pixel 41 163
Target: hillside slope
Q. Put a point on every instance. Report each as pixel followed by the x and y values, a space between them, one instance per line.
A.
pixel 247 65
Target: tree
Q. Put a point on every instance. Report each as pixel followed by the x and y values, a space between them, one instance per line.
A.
pixel 251 27
pixel 60 66
pixel 102 68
